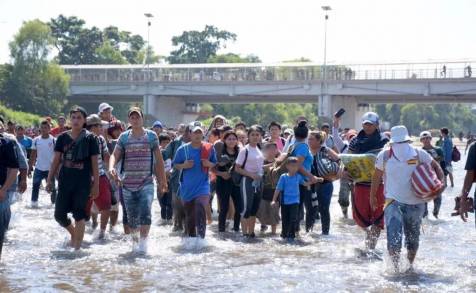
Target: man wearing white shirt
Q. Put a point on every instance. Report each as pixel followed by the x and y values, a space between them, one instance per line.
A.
pixel 41 157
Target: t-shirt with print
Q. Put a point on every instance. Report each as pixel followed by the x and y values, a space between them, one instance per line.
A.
pixel 254 161
pixel 194 181
pixel 45 151
pixel 103 151
pixel 289 187
pixel 77 156
pixel 8 157
pixel 138 154
pixel 397 175
pixel 302 150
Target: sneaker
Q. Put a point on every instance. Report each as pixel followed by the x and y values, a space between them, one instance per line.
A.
pixel 34 205
pixel 143 246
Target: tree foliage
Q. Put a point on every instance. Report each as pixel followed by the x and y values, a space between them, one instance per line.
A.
pixel 35 84
pixel 199 46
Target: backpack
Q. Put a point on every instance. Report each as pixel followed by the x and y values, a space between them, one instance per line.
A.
pixel 151 137
pixel 235 176
pixel 205 151
pixel 455 154
pixel 279 166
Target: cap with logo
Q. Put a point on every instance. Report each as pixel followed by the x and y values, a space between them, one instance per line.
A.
pixel 425 134
pixel 370 117
pixel 135 110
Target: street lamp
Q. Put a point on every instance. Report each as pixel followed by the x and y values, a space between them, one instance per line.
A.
pixel 324 102
pixel 149 16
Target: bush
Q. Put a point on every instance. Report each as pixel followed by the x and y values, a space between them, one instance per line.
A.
pixel 22 118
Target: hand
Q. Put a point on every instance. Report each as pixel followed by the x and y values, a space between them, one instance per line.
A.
pixel 114 176
pixel 256 177
pixel 207 164
pixel 373 202
pixel 30 170
pixel 225 175
pixel 346 175
pixel 336 122
pixel 273 203
pixel 188 164
pixel 163 189
pixel 3 194
pixel 319 179
pixel 95 191
pixel 49 186
pixel 464 208
pixel 22 186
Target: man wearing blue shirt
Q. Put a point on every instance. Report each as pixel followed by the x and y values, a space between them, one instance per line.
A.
pixel 195 159
pixel 447 146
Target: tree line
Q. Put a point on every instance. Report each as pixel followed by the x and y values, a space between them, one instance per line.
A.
pixel 34 82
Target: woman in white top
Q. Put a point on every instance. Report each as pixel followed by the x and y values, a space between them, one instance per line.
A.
pixel 250 164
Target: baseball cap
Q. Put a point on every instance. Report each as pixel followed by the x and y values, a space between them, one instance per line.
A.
pixel 425 134
pixel 104 106
pixel 370 117
pixel 325 125
pixel 135 110
pixel 80 109
pixel 93 119
pixel 157 124
pixel 288 131
pixel 196 125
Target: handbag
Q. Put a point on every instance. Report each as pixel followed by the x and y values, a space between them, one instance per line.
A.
pixel 235 176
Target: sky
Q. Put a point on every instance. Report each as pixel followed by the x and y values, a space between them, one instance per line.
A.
pixel 359 31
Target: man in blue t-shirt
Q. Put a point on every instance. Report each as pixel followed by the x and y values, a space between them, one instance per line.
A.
pixel 288 188
pixel 25 141
pixel 195 159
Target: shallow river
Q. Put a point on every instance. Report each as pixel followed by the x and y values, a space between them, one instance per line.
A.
pixel 34 260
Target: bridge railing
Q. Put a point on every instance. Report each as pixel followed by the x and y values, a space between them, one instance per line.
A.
pixel 263 72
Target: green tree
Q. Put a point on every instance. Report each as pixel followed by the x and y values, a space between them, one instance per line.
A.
pixel 233 58
pixel 107 54
pixel 199 46
pixel 36 85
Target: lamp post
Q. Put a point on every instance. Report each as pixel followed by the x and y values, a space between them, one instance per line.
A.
pixel 323 100
pixel 147 97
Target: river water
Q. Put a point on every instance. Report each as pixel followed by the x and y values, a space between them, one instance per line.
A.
pixel 34 260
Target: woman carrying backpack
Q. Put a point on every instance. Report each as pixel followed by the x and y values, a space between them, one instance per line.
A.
pixel 324 164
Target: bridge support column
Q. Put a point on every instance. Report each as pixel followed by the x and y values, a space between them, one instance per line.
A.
pixel 353 110
pixel 169 110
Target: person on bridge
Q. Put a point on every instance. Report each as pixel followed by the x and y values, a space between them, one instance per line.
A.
pixel 369 140
pixel 76 154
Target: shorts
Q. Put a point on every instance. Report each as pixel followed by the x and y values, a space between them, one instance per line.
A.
pixel 400 216
pixel 72 198
pixel 361 210
pixel 449 168
pixel 103 201
pixel 251 197
pixel 138 205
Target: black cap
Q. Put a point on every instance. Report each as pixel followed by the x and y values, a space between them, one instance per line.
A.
pixel 80 109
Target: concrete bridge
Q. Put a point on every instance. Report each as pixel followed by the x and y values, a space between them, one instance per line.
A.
pixel 172 92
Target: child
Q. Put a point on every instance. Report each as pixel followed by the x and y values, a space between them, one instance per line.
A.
pixel 288 187
pixel 165 200
pixel 267 214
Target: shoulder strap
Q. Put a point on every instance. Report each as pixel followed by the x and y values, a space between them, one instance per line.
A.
pixel 246 158
pixel 125 138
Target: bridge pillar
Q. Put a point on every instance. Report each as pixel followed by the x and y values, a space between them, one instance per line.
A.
pixel 353 110
pixel 169 110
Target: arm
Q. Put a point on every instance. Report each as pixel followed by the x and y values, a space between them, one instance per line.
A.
pixel 32 161
pixel 376 180
pixel 11 178
pixel 95 170
pixel 313 179
pixel 116 155
pixel 338 142
pixel 277 192
pixel 53 170
pixel 468 182
pixel 160 170
pixel 23 167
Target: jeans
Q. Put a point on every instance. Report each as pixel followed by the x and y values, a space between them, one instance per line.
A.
pixel 306 202
pixel 344 192
pixel 436 207
pixel 138 205
pixel 324 196
pixel 195 211
pixel 39 176
pixel 165 205
pixel 289 220
pixel 178 210
pixel 5 215
pixel 398 217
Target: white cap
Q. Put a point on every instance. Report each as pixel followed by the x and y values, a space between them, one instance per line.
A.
pixel 399 134
pixel 424 134
pixel 370 117
pixel 104 106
